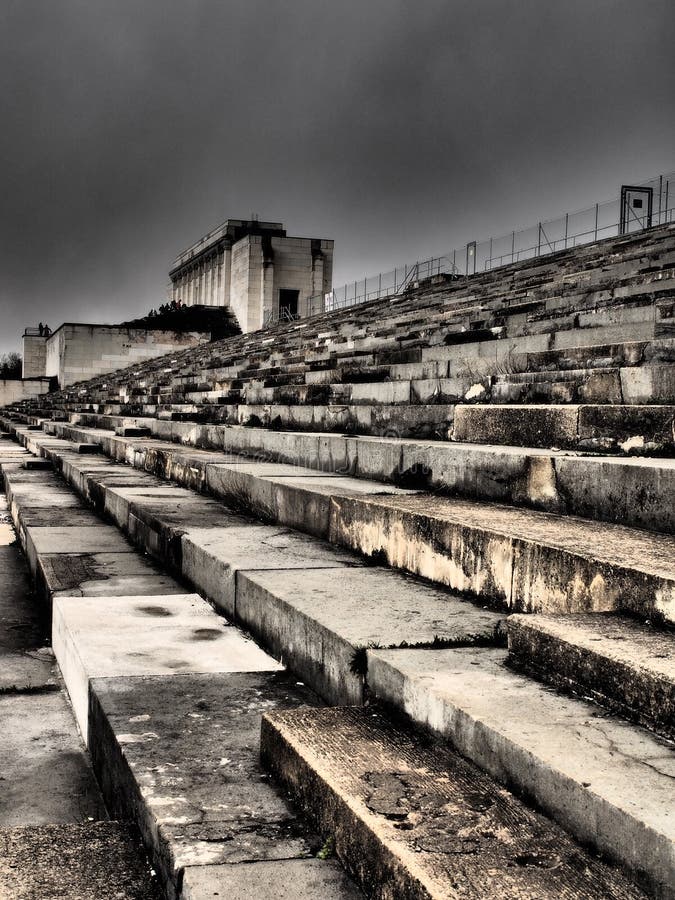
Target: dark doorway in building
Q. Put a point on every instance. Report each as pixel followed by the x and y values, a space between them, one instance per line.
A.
pixel 288 304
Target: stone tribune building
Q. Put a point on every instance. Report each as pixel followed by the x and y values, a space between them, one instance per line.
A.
pixel 257 270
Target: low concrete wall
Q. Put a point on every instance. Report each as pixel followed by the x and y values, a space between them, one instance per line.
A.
pixel 78 352
pixel 13 390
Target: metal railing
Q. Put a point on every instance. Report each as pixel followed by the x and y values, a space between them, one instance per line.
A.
pixel 575 229
pixel 275 316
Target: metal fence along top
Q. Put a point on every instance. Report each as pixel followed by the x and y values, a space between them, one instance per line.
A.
pixel 639 206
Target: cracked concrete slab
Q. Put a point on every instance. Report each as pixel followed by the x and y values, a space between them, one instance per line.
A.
pixel 144 635
pixel 191 745
pixel 412 819
pixel 608 782
pixel 321 621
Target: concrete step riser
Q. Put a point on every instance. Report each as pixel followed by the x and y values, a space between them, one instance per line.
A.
pixel 620 664
pixel 608 428
pixel 523 575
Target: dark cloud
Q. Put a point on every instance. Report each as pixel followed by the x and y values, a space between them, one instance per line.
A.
pixel 128 129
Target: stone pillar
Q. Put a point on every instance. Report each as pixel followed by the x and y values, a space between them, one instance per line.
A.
pixel 218 299
pixel 227 274
pixel 317 286
pixel 202 283
pixel 266 291
pixel 213 271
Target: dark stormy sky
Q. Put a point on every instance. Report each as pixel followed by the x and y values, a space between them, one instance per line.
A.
pixel 128 128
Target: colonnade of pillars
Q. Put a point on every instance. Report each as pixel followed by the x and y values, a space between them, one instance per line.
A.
pixel 206 281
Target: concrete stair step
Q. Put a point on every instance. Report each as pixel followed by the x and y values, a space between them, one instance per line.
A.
pixel 623 665
pixel 633 491
pixel 185 750
pixel 409 820
pixel 608 782
pixel 569 426
pixel 169 698
pixel 495 553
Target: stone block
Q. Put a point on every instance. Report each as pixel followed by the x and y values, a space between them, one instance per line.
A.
pixel 145 730
pixel 529 426
pixel 621 664
pixel 411 821
pixel 144 635
pixel 606 781
pixel 321 621
pixel 291 879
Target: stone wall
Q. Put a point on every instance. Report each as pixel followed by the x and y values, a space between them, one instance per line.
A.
pixel 302 264
pixel 14 390
pixel 34 362
pixel 78 352
pixel 245 283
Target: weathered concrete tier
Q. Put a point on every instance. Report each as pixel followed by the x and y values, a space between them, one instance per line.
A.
pixel 631 490
pixel 74 862
pixel 312 605
pixel 415 822
pixel 621 664
pixel 527 560
pixel 144 635
pixel 179 755
pixel 321 622
pixel 590 327
pixel 605 780
pixel 569 426
pixel 600 427
pixel 306 625
pixel 531 561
